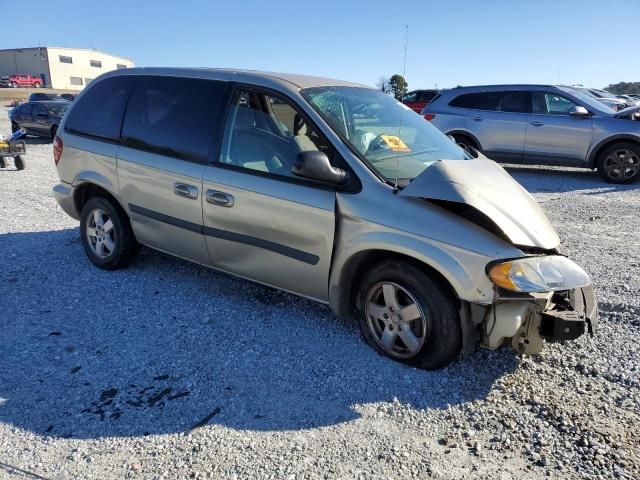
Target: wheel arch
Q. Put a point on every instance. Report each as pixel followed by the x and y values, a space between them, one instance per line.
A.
pixel 465 133
pixel 343 293
pixel 607 142
pixel 86 189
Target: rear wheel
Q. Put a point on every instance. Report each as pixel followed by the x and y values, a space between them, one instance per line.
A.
pixel 19 162
pixel 404 314
pixel 107 237
pixel 620 163
pixel 14 127
pixel 14 85
pixel 54 130
pixel 37 85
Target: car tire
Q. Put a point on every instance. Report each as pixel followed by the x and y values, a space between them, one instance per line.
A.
pixel 3 163
pixel 54 131
pixel 620 163
pixel 464 142
pixel 37 85
pixel 14 85
pixel 107 236
pixel 422 329
pixel 19 162
pixel 14 127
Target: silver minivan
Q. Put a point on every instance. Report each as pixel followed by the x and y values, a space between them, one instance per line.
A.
pixel 542 124
pixel 330 190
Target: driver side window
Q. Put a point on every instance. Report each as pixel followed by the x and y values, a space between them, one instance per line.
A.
pixel 265 133
pixel 551 104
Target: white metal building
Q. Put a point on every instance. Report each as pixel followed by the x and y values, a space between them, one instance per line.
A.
pixel 62 68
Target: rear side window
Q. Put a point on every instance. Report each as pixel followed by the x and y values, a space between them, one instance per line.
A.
pixel 98 113
pixel 519 102
pixel 177 117
pixel 477 101
pixel 516 102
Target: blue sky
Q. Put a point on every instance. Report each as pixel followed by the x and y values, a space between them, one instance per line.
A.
pixel 459 42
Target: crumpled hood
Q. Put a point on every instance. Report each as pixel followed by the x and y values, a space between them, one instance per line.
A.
pixel 486 186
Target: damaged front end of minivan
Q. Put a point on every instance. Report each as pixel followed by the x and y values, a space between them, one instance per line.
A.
pixel 539 296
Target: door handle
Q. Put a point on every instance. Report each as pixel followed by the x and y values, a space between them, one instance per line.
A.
pixel 186 191
pixel 220 199
pixel 536 124
pixel 477 119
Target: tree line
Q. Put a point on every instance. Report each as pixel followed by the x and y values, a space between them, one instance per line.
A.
pixel 623 88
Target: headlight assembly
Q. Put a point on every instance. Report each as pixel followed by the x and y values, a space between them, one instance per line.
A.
pixel 538 274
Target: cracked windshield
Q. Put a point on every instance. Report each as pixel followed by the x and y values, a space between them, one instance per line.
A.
pixel 393 140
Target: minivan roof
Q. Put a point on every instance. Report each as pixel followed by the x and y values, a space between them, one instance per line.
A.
pixel 300 81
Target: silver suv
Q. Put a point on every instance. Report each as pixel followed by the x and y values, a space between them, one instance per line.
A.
pixel 541 124
pixel 326 189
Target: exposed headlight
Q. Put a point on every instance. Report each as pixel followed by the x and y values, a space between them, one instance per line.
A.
pixel 538 274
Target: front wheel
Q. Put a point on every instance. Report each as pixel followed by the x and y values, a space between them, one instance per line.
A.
pixel 405 314
pixel 466 143
pixel 620 163
pixel 106 233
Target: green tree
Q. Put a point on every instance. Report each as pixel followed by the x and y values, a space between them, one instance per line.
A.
pixel 624 88
pixel 398 86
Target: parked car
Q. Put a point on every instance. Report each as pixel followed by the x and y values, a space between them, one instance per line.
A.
pixel 340 194
pixel 25 81
pixel 607 99
pixel 4 82
pixel 542 124
pixel 45 97
pixel 38 118
pixel 418 99
pixel 629 100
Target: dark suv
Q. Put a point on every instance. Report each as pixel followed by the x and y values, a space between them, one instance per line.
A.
pixel 39 118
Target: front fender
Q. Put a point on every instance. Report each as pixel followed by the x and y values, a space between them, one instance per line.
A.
pixel 464 270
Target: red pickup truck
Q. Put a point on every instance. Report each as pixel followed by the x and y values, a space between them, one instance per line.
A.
pixel 25 81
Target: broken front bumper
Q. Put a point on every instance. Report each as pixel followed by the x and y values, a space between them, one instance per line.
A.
pixel 574 314
pixel 526 321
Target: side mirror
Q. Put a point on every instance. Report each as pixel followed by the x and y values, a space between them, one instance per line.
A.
pixel 578 111
pixel 315 165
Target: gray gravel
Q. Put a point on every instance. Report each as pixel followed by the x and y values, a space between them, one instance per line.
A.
pixel 170 370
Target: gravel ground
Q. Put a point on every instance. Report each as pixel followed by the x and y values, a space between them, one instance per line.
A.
pixel 170 370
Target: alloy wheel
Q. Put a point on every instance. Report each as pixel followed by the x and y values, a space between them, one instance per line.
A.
pixel 621 164
pixel 100 233
pixel 396 320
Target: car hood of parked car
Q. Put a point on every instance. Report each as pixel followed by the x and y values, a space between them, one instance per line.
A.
pixel 486 186
pixel 627 111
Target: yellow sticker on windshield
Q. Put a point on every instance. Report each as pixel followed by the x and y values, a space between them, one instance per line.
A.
pixel 395 143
